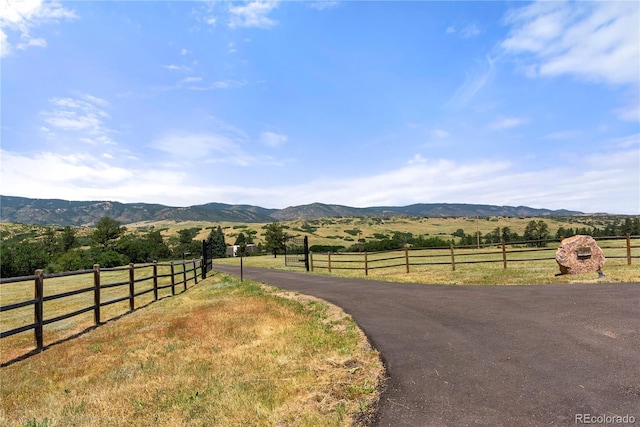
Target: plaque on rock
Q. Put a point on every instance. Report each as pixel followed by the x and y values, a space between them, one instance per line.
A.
pixel 579 254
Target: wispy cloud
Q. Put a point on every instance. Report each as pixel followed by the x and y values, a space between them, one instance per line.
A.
pixel 605 181
pixel 629 113
pixel 24 17
pixel 181 68
pixel 440 133
pixel 563 135
pixel 324 4
pixel 83 116
pixel 471 30
pixel 467 31
pixel 507 123
pixel 219 143
pixel 203 86
pixel 273 139
pixel 473 84
pixel 596 41
pixel 252 14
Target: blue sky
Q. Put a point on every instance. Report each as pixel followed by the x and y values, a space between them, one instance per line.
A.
pixel 293 102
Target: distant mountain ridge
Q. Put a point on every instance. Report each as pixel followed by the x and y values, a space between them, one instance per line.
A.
pixel 87 213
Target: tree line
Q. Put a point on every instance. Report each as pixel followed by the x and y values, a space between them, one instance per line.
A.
pixel 110 244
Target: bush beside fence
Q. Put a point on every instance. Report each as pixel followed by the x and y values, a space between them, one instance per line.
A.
pixel 107 287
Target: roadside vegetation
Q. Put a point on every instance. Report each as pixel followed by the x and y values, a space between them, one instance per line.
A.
pixel 28 247
pixel 223 353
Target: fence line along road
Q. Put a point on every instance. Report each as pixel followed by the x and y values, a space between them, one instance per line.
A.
pixel 178 273
pixel 525 251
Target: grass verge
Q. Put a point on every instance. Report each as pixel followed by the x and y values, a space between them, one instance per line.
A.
pixel 225 353
pixel 517 272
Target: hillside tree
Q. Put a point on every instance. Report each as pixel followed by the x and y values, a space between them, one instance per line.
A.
pixel 107 231
pixel 218 243
pixel 274 238
pixel 536 230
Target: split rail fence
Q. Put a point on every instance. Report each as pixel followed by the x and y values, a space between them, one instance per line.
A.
pixel 453 256
pixel 119 290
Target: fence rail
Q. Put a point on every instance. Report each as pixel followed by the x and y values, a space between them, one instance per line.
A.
pixel 504 253
pixel 187 271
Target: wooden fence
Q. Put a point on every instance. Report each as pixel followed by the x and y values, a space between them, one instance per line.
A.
pixel 175 277
pixel 504 253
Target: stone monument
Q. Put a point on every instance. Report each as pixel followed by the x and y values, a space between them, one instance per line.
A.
pixel 579 254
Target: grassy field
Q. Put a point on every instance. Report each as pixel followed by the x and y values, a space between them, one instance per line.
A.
pixel 424 268
pixel 224 353
pixel 346 231
pixel 336 231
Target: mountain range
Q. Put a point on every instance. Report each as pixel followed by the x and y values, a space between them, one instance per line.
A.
pixel 87 213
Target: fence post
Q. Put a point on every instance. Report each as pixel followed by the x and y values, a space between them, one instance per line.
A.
pixel 204 259
pixel 132 289
pixel 366 264
pixel 453 259
pixel 628 249
pixel 195 272
pixel 173 279
pixel 306 252
pixel 38 310
pixel 184 274
pixel 406 258
pixel 155 280
pixel 329 261
pixel 96 294
pixel 504 255
pixel 311 261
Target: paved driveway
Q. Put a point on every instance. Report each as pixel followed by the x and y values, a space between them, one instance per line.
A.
pixel 492 355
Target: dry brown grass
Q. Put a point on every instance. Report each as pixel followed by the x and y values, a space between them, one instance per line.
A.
pixel 224 353
pixel 331 231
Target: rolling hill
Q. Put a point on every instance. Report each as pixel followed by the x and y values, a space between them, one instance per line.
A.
pixel 87 213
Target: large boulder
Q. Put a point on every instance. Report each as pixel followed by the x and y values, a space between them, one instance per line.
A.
pixel 579 254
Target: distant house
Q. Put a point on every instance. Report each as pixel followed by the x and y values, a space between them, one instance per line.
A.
pixel 233 249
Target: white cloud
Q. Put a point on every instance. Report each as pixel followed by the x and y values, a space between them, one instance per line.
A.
pixel 185 144
pixel 507 123
pixel 25 16
pixel 471 30
pixel 273 139
pixel 252 14
pixel 468 31
pixel 82 117
pixel 190 80
pixel 222 84
pixel 595 41
pixel 222 144
pixel 563 135
pixel 324 4
pixel 181 68
pixel 473 84
pixel 629 113
pixel 184 52
pixel 86 177
pixel 440 133
pixel 606 181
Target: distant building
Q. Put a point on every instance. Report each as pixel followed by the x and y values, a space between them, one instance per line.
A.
pixel 233 249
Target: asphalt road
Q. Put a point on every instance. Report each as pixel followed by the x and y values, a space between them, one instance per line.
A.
pixel 492 355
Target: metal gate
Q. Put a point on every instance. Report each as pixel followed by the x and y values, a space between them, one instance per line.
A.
pixel 296 252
